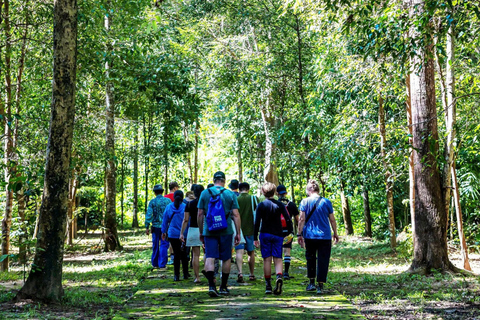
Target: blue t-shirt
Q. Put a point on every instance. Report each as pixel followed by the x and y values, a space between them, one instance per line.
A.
pixel 318 227
pixel 230 202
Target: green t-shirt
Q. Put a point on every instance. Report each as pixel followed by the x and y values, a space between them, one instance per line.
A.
pixel 230 202
pixel 246 212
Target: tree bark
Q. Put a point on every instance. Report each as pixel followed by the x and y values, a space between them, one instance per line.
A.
pixel 147 130
pixel 388 175
pixel 270 173
pixel 195 162
pixel 45 279
pixel 111 237
pixel 366 212
pixel 347 217
pixel 8 149
pixel 430 220
pixel 122 188
pixel 135 178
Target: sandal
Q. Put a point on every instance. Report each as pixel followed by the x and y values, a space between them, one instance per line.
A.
pixel 252 277
pixel 240 278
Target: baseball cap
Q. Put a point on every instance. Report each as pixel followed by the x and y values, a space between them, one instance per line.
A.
pixel 219 175
pixel 158 187
pixel 281 189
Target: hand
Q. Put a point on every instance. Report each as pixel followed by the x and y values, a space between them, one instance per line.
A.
pixel 147 232
pixel 256 243
pixel 335 237
pixel 203 240
pixel 182 238
pixel 164 236
pixel 237 240
pixel 301 242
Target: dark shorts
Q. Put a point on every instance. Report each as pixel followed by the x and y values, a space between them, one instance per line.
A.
pixel 288 245
pixel 270 245
pixel 249 245
pixel 218 247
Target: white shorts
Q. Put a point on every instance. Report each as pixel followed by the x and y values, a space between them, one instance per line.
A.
pixel 193 238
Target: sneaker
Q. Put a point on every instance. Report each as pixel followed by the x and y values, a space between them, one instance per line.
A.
pixel 311 287
pixel 224 291
pixel 176 278
pixel 319 288
pixel 286 276
pixel 268 289
pixel 170 262
pixel 278 286
pixel 212 292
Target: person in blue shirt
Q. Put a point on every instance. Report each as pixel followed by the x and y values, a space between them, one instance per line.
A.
pixel 315 235
pixel 153 223
pixel 172 226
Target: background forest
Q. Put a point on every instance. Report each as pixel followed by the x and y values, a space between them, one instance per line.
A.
pixel 283 91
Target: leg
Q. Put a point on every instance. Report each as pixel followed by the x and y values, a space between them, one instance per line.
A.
pixel 239 263
pixel 164 245
pixel 278 265
pixel 156 236
pixel 310 255
pixel 287 259
pixel 211 254
pixel 196 262
pixel 251 262
pixel 324 250
pixel 176 245
pixel 267 267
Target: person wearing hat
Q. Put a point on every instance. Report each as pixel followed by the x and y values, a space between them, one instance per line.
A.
pixel 153 223
pixel 233 185
pixel 218 244
pixel 294 215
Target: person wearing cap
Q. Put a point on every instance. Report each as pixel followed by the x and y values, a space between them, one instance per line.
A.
pixel 294 215
pixel 153 223
pixel 233 185
pixel 218 244
pixel 247 205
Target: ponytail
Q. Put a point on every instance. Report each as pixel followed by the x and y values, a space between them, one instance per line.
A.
pixel 178 196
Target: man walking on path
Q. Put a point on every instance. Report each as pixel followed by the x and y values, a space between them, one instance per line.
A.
pixel 154 217
pixel 218 243
pixel 294 215
pixel 172 186
pixel 247 205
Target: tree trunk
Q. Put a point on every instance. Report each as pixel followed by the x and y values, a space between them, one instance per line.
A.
pixel 366 212
pixel 411 166
pixel 451 119
pixel 111 237
pixel 347 217
pixel 239 155
pixel 122 188
pixel 430 220
pixel 187 155
pixel 22 248
pixel 45 279
pixel 9 153
pixel 135 178
pixel 195 164
pixel 270 173
pixel 292 185
pixel 388 175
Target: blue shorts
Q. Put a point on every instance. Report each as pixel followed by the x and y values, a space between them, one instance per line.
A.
pixel 218 247
pixel 247 245
pixel 271 245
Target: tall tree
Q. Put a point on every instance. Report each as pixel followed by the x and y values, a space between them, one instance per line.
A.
pixel 111 237
pixel 45 279
pixel 430 250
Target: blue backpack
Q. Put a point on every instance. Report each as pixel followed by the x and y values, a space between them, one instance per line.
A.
pixel 216 219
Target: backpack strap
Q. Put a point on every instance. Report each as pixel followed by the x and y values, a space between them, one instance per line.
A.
pixel 313 210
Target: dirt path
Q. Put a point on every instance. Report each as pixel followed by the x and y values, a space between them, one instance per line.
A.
pixel 159 297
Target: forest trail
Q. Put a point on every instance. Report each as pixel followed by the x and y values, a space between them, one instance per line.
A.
pixel 159 297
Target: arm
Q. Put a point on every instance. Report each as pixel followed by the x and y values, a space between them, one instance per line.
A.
pixel 186 217
pixel 200 222
pixel 166 222
pixel 333 222
pixel 301 223
pixel 149 217
pixel 238 223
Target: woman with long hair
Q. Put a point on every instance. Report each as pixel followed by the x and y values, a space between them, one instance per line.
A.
pixel 193 235
pixel 171 226
pixel 315 235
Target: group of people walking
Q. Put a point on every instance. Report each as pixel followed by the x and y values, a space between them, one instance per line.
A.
pixel 220 220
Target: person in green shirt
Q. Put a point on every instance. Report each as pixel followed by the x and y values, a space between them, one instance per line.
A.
pixel 247 205
pixel 218 244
